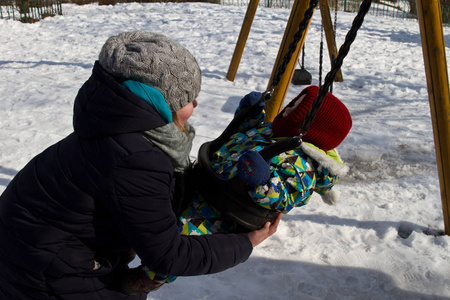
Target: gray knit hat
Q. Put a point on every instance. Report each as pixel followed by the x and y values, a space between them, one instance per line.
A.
pixel 155 60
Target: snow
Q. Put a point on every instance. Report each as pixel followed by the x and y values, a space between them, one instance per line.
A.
pixel 374 244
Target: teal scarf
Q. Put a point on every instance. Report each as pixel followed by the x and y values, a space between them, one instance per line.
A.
pixel 150 95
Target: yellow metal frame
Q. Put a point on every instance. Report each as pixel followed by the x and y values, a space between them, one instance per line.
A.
pixel 243 35
pixel 297 13
pixel 435 61
pixel 329 34
pixel 433 45
pixel 274 106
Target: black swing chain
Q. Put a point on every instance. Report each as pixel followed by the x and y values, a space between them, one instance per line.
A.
pixel 303 56
pixel 321 54
pixel 293 46
pixel 337 64
pixel 334 36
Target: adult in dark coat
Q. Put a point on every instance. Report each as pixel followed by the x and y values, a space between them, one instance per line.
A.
pixel 70 217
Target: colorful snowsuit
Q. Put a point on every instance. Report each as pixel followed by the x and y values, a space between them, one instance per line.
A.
pixel 295 175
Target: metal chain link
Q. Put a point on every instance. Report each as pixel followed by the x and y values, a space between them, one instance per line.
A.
pixel 343 51
pixel 293 46
pixel 321 55
pixel 335 24
pixel 334 36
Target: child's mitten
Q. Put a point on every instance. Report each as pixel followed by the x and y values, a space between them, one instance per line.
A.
pixel 135 281
pixel 253 169
pixel 251 99
pixel 331 197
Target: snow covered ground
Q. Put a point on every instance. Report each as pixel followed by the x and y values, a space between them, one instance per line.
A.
pixel 372 245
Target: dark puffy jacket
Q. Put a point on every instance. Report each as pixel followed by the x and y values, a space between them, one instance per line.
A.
pixel 93 196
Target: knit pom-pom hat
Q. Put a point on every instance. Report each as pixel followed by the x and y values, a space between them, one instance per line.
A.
pixel 331 125
pixel 155 60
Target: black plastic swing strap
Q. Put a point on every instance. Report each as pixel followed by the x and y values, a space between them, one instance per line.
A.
pixel 279 147
pixel 337 64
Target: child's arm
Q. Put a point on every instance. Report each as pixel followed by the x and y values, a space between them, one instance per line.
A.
pixel 259 116
pixel 325 183
pixel 290 183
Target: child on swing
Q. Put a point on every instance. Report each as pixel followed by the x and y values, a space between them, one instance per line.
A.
pixel 289 179
pixel 286 181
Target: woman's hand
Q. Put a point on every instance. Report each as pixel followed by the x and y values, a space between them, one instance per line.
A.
pixel 258 236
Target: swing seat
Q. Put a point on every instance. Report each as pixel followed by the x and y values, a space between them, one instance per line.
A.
pixel 301 77
pixel 230 196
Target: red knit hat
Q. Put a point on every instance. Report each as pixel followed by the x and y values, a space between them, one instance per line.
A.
pixel 329 128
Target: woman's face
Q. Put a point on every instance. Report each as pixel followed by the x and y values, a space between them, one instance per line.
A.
pixel 185 112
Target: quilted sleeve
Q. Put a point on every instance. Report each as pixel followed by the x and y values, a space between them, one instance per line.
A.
pixel 140 202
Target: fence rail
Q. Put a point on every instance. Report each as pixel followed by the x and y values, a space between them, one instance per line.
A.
pixel 29 11
pixel 405 9
pixel 34 10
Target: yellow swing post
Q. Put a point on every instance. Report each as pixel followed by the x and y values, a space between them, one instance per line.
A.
pixel 433 46
pixel 329 34
pixel 242 39
pixel 273 107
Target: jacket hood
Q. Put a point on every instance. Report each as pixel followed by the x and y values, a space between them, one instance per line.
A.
pixel 103 107
pixel 331 160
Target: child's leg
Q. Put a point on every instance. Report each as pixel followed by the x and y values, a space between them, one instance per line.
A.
pixel 201 218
